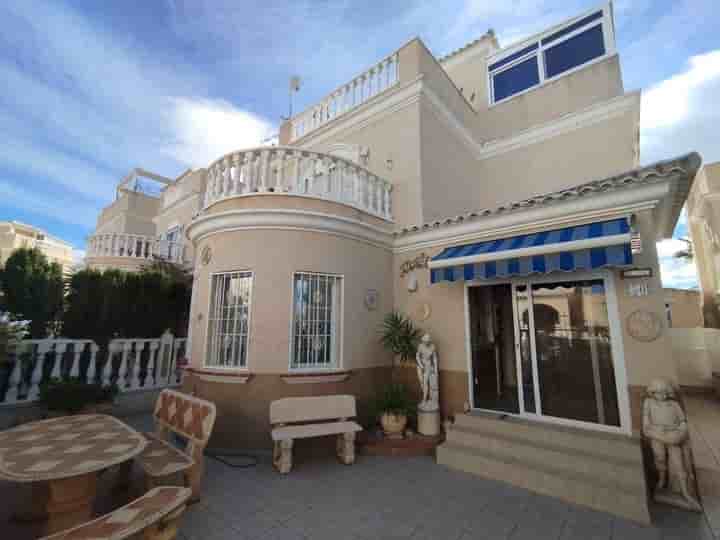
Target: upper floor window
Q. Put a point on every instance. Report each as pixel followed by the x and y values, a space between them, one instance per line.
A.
pixel 551 55
pixel 229 320
pixel 316 321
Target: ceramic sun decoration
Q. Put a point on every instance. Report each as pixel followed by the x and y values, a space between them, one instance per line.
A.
pixel 665 427
pixel 429 407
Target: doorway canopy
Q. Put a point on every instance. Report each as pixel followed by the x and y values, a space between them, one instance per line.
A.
pixel 582 247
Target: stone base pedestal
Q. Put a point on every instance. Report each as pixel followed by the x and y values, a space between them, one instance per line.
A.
pixel 429 423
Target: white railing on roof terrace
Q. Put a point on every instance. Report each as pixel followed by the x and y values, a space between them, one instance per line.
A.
pixel 292 171
pixel 134 246
pixel 378 78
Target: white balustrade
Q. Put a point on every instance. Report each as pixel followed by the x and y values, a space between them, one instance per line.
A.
pixel 133 364
pixel 265 170
pixel 362 88
pixel 134 246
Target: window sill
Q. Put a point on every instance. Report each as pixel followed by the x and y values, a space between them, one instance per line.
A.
pixel 222 376
pixel 316 377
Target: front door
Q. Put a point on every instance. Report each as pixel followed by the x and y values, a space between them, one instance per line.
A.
pixel 544 349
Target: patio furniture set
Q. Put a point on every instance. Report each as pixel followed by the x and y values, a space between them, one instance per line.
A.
pixel 61 459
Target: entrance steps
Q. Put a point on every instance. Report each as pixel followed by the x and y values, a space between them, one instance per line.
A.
pixel 600 470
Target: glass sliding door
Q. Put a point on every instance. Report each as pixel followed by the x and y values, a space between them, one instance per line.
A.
pixel 544 348
pixel 573 354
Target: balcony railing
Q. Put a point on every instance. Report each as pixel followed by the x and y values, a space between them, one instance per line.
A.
pixel 292 171
pixel 378 78
pixel 134 246
pixel 131 364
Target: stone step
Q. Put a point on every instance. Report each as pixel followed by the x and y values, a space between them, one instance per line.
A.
pixel 613 446
pixel 577 490
pixel 601 470
pixel 612 471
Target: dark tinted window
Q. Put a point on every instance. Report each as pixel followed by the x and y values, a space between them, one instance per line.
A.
pixel 572 27
pixel 513 56
pixel 574 52
pixel 516 79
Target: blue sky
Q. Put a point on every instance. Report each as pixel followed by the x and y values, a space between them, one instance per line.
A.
pixel 93 89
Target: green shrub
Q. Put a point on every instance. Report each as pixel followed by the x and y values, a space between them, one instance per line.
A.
pixel 72 395
pixel 395 399
pixel 400 336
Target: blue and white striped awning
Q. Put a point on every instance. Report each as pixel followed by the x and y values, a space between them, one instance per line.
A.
pixel 583 247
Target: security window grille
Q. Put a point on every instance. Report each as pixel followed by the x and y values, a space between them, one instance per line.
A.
pixel 552 55
pixel 228 323
pixel 316 327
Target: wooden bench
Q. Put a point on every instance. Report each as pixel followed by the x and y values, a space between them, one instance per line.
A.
pixel 190 417
pixel 303 417
pixel 153 516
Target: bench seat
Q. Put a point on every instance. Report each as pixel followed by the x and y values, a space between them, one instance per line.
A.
pixel 312 416
pixel 313 430
pixel 161 458
pixel 155 513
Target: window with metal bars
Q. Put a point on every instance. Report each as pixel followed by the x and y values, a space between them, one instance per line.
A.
pixel 229 320
pixel 316 321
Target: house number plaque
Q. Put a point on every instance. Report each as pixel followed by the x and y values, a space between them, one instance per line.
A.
pixel 644 325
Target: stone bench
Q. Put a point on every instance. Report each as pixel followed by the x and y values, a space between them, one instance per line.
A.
pixel 191 418
pixel 153 516
pixel 304 417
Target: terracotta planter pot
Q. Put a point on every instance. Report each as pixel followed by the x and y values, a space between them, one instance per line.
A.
pixel 393 424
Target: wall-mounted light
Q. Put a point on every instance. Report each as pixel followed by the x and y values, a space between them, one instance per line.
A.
pixel 389 164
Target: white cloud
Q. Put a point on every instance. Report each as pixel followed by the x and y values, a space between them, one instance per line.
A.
pixel 78 256
pixel 668 248
pixel 678 273
pixel 206 129
pixel 681 113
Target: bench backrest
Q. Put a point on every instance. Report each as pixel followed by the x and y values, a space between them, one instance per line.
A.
pixel 186 415
pixel 309 409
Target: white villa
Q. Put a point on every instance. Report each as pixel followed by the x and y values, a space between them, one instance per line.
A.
pixel 495 197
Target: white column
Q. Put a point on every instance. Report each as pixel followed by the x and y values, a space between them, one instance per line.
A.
pixel 135 380
pixel 151 376
pixel 264 166
pixel 36 378
pixel 91 370
pixel 13 389
pixel 59 350
pixel 77 352
pixel 113 348
pixel 226 176
pixel 280 186
pixel 388 200
pixel 362 187
pixel 297 183
pixel 123 369
pixel 237 183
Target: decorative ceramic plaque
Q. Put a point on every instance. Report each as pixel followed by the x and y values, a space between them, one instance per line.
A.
pixel 206 255
pixel 371 299
pixel 644 325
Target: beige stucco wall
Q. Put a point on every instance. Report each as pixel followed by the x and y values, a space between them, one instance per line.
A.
pixel 703 207
pixel 132 213
pixel 685 308
pixel 585 87
pixel 273 256
pixel 14 235
pixel 455 183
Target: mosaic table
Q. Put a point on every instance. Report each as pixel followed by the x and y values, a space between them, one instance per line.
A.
pixel 61 458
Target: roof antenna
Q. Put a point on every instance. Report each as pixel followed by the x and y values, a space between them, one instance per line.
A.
pixel 294 87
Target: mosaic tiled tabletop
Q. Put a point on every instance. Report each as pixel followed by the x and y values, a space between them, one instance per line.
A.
pixel 66 447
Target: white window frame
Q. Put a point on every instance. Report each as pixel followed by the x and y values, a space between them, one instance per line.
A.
pixel 608 31
pixel 338 331
pixel 210 318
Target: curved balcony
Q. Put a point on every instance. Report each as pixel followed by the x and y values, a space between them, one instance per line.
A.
pixel 134 246
pixel 293 171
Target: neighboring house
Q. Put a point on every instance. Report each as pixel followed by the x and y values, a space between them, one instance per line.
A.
pixel 703 209
pixel 14 235
pixel 494 196
pixel 683 308
pixel 144 222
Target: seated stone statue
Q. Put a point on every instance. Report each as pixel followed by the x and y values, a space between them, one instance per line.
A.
pixel 666 429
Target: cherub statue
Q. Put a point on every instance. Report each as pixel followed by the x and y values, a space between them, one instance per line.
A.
pixel 427 366
pixel 665 426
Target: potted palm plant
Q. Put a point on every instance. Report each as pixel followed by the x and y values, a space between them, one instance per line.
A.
pixel 401 337
pixel 394 406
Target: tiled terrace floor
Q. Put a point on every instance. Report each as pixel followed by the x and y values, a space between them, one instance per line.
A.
pixel 380 498
pixel 401 498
